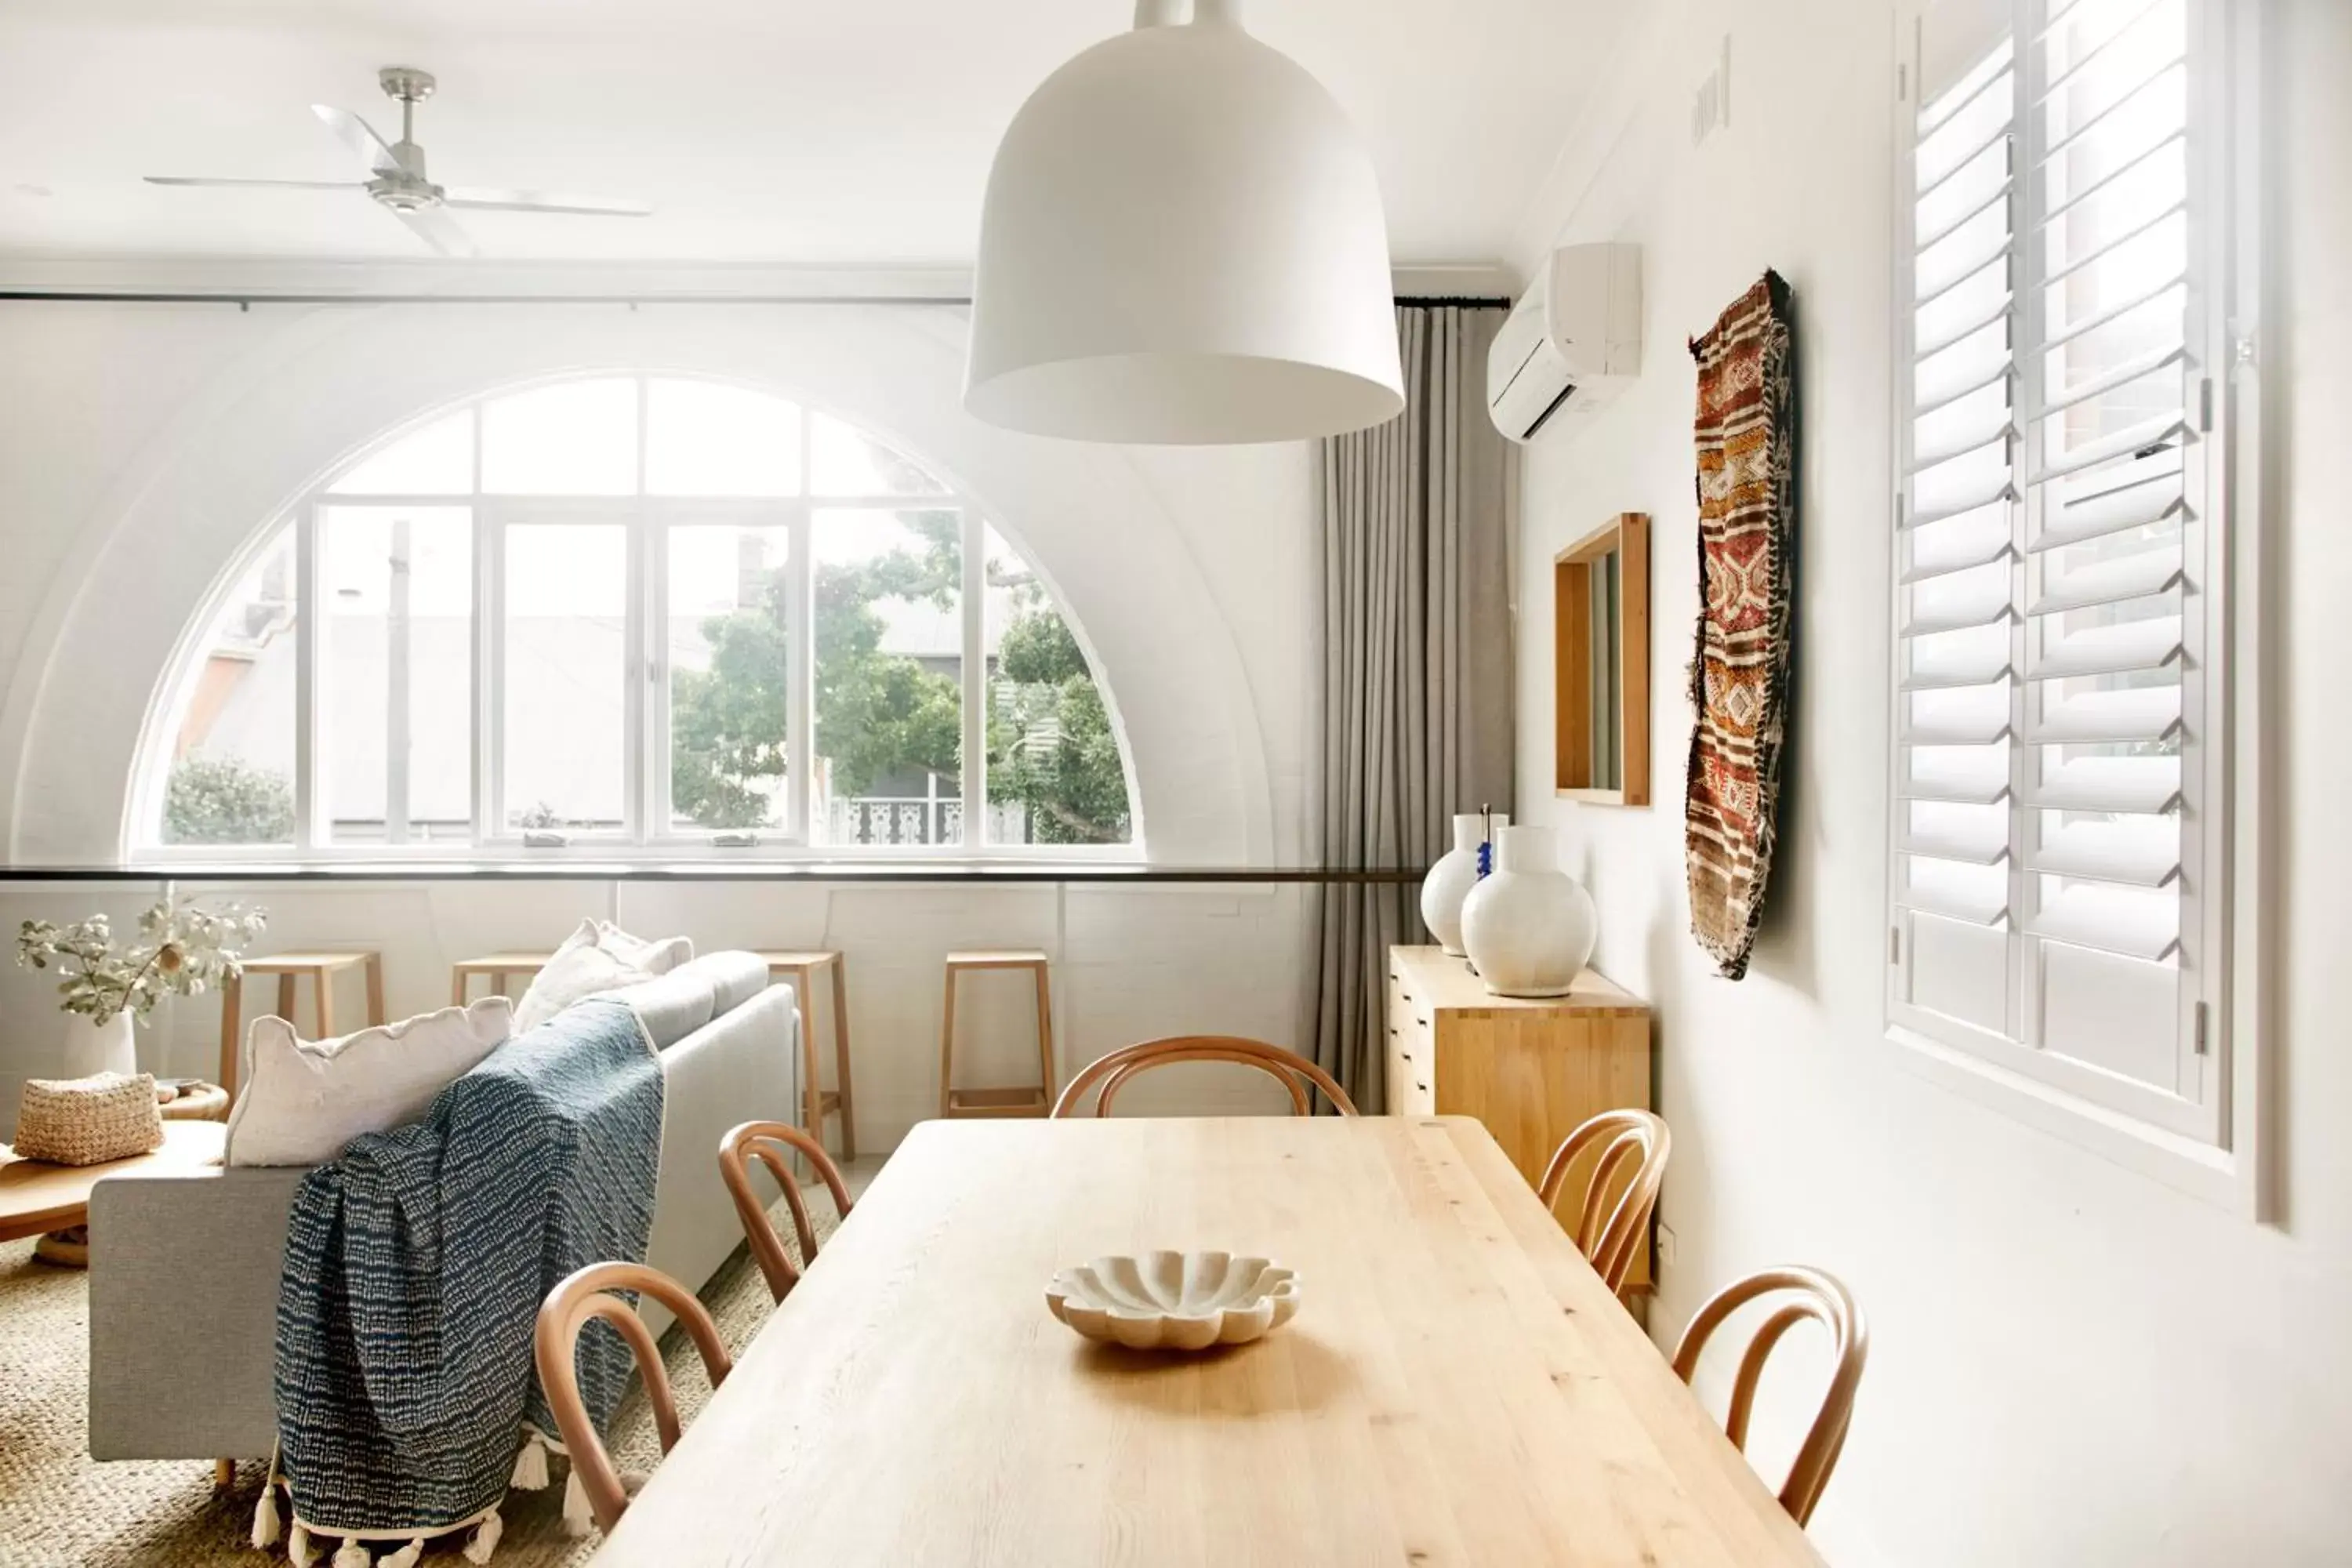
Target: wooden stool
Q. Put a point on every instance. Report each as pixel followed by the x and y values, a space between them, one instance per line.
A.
pixel 289 967
pixel 817 1102
pixel 1023 1101
pixel 500 967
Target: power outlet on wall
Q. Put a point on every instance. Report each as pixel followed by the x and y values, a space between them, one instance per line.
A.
pixel 1665 1245
pixel 1711 104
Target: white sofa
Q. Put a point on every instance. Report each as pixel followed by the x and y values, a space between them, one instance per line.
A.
pixel 184 1269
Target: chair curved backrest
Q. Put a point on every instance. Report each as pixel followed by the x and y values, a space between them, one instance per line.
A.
pixel 1824 1298
pixel 1610 1245
pixel 770 1142
pixel 1297 1075
pixel 567 1310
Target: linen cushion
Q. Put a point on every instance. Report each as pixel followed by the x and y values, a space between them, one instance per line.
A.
pixel 599 956
pixel 302 1101
pixel 735 977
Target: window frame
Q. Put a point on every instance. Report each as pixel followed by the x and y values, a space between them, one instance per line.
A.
pixel 2209 1146
pixel 648 833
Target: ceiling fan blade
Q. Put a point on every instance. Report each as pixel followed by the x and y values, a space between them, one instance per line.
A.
pixel 438 229
pixel 375 153
pixel 288 184
pixel 490 200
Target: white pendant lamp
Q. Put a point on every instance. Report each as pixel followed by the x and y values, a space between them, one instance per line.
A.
pixel 1182 242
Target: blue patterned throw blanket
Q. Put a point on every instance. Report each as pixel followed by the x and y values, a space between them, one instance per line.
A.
pixel 415 1266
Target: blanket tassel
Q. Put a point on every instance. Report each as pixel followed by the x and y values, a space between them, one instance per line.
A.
pixel 578 1517
pixel 265 1524
pixel 265 1518
pixel 353 1554
pixel 485 1538
pixel 297 1547
pixel 406 1556
pixel 531 1466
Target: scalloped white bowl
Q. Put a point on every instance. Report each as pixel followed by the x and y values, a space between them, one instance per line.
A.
pixel 1174 1300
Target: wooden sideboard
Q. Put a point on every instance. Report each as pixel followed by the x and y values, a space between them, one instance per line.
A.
pixel 1531 1069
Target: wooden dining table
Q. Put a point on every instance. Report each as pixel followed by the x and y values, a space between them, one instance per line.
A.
pixel 1457 1388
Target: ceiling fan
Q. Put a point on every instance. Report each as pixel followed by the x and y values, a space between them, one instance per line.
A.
pixel 395 174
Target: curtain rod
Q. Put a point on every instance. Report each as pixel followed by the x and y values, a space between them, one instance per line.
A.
pixel 246 301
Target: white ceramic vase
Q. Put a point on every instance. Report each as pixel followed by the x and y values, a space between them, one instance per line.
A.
pixel 1450 880
pixel 93 1049
pixel 1529 927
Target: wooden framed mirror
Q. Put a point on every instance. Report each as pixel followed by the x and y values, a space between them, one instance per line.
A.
pixel 1601 639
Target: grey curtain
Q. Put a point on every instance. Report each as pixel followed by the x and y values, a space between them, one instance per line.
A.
pixel 1414 627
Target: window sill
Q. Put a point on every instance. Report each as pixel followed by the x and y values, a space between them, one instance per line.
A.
pixel 2215 1175
pixel 543 867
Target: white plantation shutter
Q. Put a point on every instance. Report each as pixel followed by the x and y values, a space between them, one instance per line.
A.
pixel 2053 526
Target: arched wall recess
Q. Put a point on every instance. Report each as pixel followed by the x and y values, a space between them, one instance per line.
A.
pixel 327 385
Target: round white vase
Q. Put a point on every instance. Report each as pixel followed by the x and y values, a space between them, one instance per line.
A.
pixel 1530 927
pixel 93 1049
pixel 1450 880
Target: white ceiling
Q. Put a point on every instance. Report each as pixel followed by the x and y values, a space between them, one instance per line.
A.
pixel 815 133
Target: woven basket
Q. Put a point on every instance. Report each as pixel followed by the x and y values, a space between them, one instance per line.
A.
pixel 88 1120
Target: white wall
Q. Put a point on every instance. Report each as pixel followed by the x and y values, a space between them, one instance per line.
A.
pixel 147 445
pixel 2072 1363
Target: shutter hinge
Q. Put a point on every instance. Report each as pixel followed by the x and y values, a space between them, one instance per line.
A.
pixel 2202 1047
pixel 2205 406
pixel 1894 945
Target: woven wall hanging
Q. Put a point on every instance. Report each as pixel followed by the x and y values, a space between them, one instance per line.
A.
pixel 1746 432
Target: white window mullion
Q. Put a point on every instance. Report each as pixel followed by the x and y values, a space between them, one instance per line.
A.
pixel 975 680
pixel 307 748
pixel 642 666
pixel 490 673
pixel 2030 328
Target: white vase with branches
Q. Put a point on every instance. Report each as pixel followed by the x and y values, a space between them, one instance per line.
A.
pixel 181 950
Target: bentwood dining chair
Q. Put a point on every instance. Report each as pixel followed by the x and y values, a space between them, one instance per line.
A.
pixel 1300 1076
pixel 1824 1299
pixel 567 1310
pixel 771 1144
pixel 1611 1244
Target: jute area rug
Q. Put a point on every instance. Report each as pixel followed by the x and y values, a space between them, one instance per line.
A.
pixel 61 1509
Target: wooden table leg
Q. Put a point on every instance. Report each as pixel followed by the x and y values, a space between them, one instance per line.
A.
pixel 232 1003
pixel 323 993
pixel 947 1045
pixel 841 1055
pixel 375 989
pixel 457 987
pixel 1045 1030
pixel 223 1475
pixel 286 997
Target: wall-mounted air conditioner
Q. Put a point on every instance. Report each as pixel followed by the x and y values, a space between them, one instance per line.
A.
pixel 1571 343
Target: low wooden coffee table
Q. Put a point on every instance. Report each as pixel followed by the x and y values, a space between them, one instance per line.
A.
pixel 37 1197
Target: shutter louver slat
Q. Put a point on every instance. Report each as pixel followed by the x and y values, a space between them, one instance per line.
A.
pixel 1957 335
pixel 2142 853
pixel 1983 911
pixel 1964 93
pixel 2113 920
pixel 1940 672
pixel 2149 715
pixel 2141 437
pixel 1994 428
pixel 1955 733
pixel 2124 649
pixel 1961 506
pixel 1937 386
pixel 2131 165
pixel 2140 506
pixel 2114 243
pixel 2146 786
pixel 1926 566
pixel 2091 57
pixel 2107 315
pixel 2122 375
pixel 1981 609
pixel 1966 849
pixel 2137 576
pixel 2060 146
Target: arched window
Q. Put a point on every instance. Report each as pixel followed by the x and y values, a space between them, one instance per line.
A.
pixel 617 613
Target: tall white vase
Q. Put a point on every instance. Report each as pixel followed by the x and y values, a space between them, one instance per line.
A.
pixel 1450 880
pixel 93 1049
pixel 1530 927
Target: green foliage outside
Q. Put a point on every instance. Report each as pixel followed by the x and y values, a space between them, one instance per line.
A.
pixel 880 714
pixel 210 800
